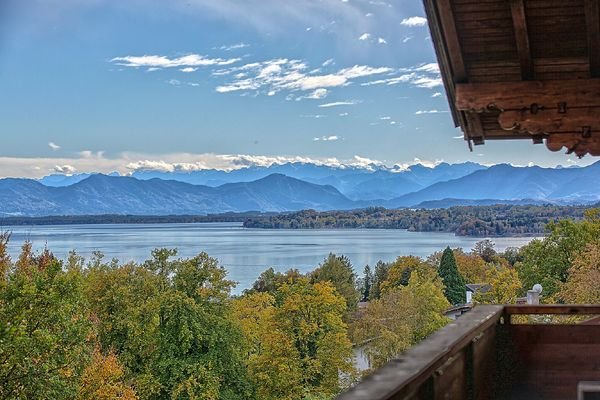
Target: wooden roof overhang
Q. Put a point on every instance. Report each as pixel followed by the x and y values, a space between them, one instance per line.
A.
pixel 521 69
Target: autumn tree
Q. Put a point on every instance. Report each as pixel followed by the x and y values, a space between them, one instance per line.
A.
pixel 485 249
pixel 403 316
pixel 399 272
pixel 103 379
pixel 312 316
pixel 583 284
pixel 273 361
pixel 505 287
pixel 453 281
pixel 338 270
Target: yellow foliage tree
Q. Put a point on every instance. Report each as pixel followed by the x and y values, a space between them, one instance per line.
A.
pixel 399 272
pixel 103 380
pixel 402 317
pixel 583 284
pixel 505 287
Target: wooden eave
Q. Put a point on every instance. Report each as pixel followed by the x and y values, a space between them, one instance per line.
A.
pixel 521 69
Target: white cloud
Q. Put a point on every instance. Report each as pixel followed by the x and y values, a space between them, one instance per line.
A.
pixel 414 21
pixel 406 39
pixel 338 103
pixel 65 169
pixel 421 112
pixel 318 94
pixel 381 41
pixel 385 118
pixel 236 46
pixel 291 75
pixel 189 69
pixel 344 114
pixel 53 146
pixel 332 138
pixel 174 82
pixel 364 36
pixel 436 94
pixel 327 62
pixel 422 75
pixel 155 61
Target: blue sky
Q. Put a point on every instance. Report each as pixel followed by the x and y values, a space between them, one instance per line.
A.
pixel 100 85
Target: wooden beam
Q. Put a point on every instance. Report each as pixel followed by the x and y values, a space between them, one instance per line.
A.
pixel 575 143
pixel 519 18
pixel 446 15
pixel 592 22
pixel 577 120
pixel 505 96
pixel 544 309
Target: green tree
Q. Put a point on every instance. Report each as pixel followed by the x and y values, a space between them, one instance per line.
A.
pixel 548 261
pixel 379 276
pixel 338 270
pixel 583 284
pixel 367 283
pixel 399 272
pixel 453 281
pixel 505 287
pixel 44 329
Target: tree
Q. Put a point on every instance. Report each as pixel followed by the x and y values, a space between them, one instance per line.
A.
pixel 171 325
pixel 379 276
pixel 311 315
pixel 403 316
pixel 269 280
pixel 273 361
pixel 367 283
pixel 548 261
pixel 505 287
pixel 453 281
pixel 338 270
pixel 472 267
pixel 485 249
pixel 583 284
pixel 399 272
pixel 103 378
pixel 44 329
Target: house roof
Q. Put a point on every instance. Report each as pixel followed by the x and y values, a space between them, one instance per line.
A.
pixel 521 69
pixel 478 287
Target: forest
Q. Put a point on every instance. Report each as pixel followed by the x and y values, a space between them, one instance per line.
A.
pixel 170 328
pixel 482 221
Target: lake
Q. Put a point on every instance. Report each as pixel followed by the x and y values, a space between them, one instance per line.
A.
pixel 244 252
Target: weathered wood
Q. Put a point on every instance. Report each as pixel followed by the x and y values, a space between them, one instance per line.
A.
pixel 592 22
pixel 446 15
pixel 551 121
pixel 575 144
pixel 552 359
pixel 569 309
pixel 522 38
pixel 405 376
pixel 518 95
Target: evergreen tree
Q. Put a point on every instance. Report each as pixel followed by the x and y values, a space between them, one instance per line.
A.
pixel 454 283
pixel 367 283
pixel 379 277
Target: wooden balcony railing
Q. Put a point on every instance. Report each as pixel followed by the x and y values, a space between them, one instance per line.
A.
pixel 484 355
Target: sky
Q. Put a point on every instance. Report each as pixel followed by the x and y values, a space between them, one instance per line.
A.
pixel 107 85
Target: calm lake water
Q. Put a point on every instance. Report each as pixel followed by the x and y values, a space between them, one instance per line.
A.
pixel 244 252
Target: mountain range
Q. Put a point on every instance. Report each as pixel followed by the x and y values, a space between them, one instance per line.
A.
pixel 296 186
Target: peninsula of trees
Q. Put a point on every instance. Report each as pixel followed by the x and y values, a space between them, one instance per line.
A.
pixel 485 221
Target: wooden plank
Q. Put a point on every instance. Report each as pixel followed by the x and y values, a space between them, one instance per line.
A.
pixel 446 15
pixel 592 23
pixel 517 8
pixel 404 376
pixel 518 95
pixel 571 309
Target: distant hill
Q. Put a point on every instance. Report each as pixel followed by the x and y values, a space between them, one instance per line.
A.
pixel 505 182
pixel 102 194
